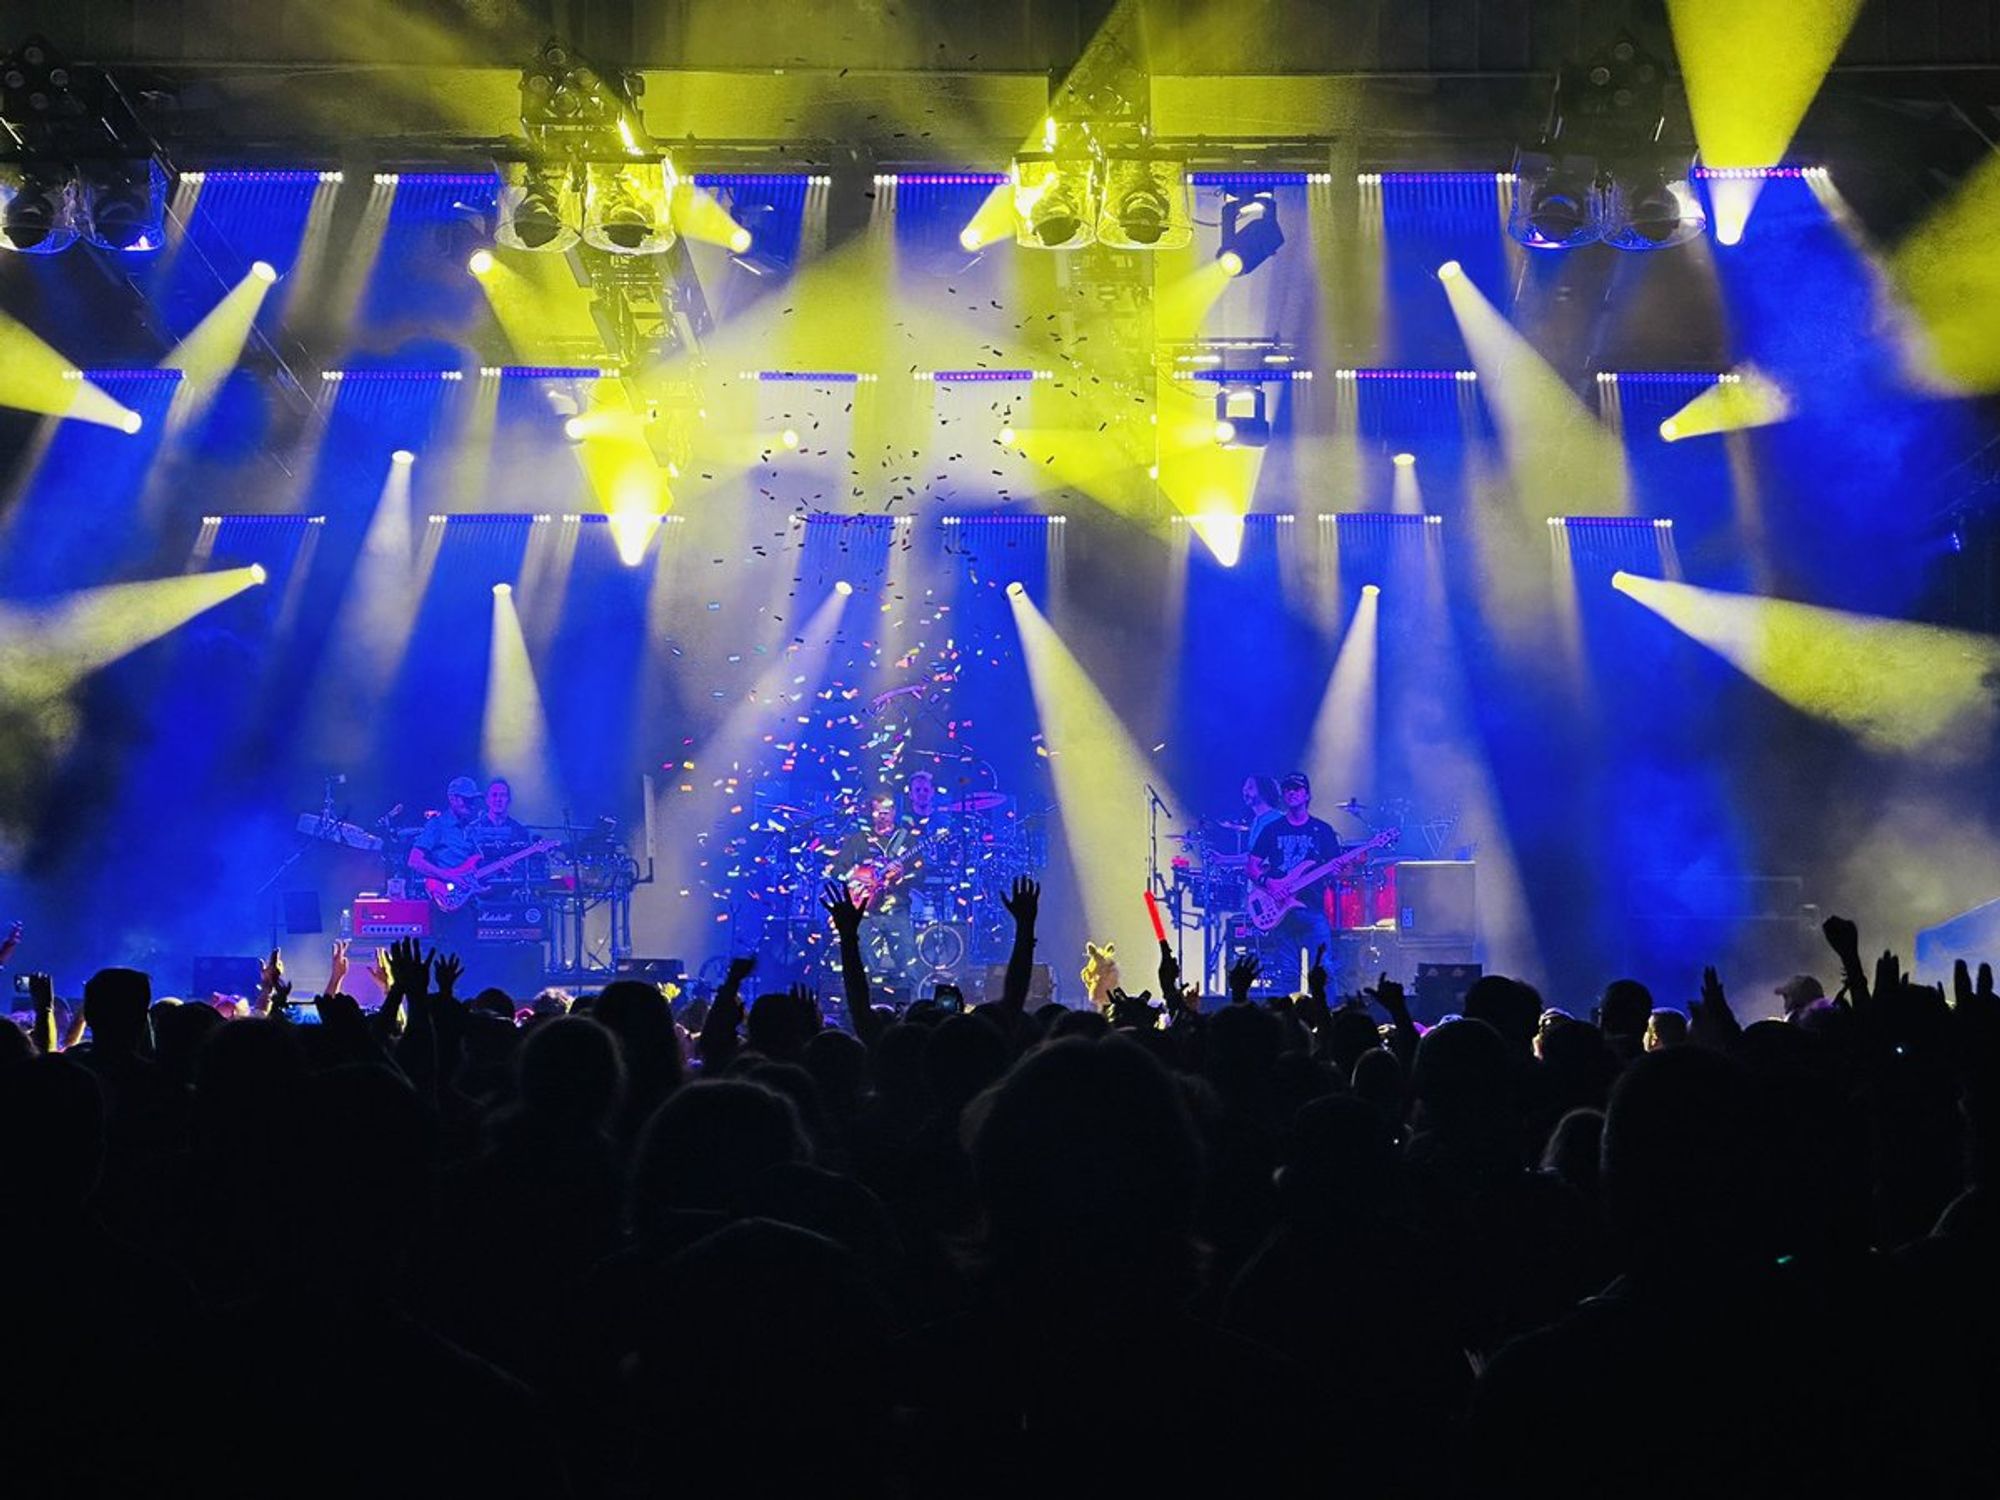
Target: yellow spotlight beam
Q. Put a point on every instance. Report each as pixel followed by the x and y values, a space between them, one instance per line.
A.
pixel 1752 68
pixel 699 215
pixel 1341 760
pixel 1407 496
pixel 1745 398
pixel 1559 456
pixel 514 731
pixel 1100 779
pixel 210 350
pixel 1898 686
pixel 536 301
pixel 1947 275
pixel 34 377
pixel 47 648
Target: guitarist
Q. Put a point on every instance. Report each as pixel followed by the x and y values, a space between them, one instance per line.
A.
pixel 1289 842
pixel 446 841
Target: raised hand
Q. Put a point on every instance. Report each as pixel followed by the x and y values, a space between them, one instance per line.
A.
pixel 378 968
pixel 1843 937
pixel 1024 901
pixel 1388 994
pixel 741 968
pixel 274 991
pixel 1316 976
pixel 448 972
pixel 1712 1021
pixel 336 973
pixel 1170 970
pixel 1242 974
pixel 1888 975
pixel 1183 1001
pixel 9 941
pixel 843 908
pixel 805 997
pixel 409 969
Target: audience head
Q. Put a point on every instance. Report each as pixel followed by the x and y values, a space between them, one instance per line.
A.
pixel 702 1148
pixel 1622 1009
pixel 1511 1007
pixel 1680 1162
pixel 117 1003
pixel 1666 1028
pixel 1466 1077
pixel 1088 1166
pixel 570 1073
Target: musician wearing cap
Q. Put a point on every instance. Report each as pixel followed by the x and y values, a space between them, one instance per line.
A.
pixel 1290 865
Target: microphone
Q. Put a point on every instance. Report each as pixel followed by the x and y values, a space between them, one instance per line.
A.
pixel 1158 801
pixel 390 815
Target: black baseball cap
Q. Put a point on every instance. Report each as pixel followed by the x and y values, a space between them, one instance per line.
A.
pixel 1296 779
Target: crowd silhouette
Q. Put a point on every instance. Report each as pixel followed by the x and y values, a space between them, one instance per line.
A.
pixel 1203 1246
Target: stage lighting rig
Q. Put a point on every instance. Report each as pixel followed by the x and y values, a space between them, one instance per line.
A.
pixel 1241 417
pixel 1604 167
pixel 84 166
pixel 590 172
pixel 1056 196
pixel 37 208
pixel 123 204
pixel 1144 202
pixel 1250 231
pixel 540 208
pixel 626 206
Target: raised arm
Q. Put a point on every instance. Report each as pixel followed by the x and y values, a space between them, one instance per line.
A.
pixel 719 1043
pixel 1024 905
pixel 847 914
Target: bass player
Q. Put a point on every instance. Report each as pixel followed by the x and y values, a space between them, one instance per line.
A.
pixel 1292 842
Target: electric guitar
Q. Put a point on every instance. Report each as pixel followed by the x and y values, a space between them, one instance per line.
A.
pixel 1267 904
pixel 464 882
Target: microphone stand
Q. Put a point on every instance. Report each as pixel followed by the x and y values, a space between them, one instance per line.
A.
pixel 1155 806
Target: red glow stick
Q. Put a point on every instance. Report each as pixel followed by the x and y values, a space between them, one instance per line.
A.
pixel 1153 911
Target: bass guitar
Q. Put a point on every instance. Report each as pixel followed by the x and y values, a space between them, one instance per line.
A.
pixel 465 881
pixel 1267 904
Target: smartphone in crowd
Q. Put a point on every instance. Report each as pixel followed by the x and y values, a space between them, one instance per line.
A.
pixel 950 996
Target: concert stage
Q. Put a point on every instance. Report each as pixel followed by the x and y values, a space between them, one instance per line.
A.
pixel 917 468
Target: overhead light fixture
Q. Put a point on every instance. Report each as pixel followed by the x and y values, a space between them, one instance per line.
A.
pixel 625 207
pixel 123 204
pixel 1144 204
pixel 1055 201
pixel 1605 166
pixel 1241 419
pixel 1250 230
pixel 37 208
pixel 1650 208
pixel 538 209
pixel 1554 205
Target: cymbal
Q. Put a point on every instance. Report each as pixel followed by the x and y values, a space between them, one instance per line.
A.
pixel 1184 838
pixel 1233 827
pixel 975 802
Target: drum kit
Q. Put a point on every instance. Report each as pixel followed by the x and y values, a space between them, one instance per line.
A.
pixel 1207 887
pixel 939 913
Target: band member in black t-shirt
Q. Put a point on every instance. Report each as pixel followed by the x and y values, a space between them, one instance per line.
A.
pixel 1291 843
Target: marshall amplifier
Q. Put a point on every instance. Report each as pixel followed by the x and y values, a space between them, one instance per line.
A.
pixel 512 922
pixel 391 917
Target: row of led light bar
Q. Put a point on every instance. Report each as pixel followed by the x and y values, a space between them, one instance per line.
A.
pixel 942 377
pixel 1275 518
pixel 968 179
